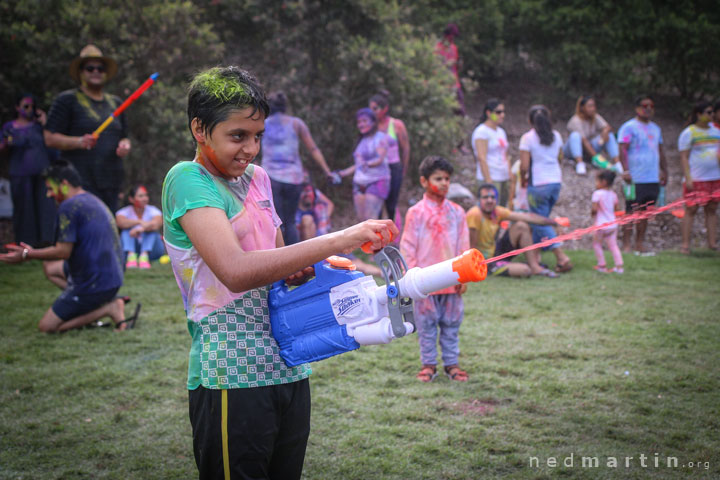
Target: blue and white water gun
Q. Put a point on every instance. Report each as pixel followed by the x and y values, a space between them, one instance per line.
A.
pixel 340 308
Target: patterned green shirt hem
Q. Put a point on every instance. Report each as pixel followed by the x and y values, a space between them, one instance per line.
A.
pixel 233 347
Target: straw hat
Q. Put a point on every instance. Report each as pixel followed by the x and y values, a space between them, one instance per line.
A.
pixel 92 52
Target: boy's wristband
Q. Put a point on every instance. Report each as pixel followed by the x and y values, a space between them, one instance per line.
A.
pixel 25 253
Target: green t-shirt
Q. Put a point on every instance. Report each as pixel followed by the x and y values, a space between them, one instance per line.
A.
pixel 232 343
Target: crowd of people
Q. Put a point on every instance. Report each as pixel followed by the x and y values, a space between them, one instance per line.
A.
pixel 231 227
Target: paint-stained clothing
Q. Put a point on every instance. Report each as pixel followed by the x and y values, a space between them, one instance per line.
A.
pixel 232 346
pixel 74 113
pixel 280 149
pixel 643 153
pixel 95 264
pixel 451 57
pixel 438 318
pixel 606 201
pixel 703 144
pixel 496 154
pixel 393 153
pixel 434 232
pixel 33 212
pixel 366 152
pixel 28 154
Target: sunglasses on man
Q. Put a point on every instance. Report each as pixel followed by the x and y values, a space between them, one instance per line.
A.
pixel 94 68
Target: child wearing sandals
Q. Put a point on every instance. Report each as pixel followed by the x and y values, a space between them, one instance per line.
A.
pixel 436 230
pixel 604 201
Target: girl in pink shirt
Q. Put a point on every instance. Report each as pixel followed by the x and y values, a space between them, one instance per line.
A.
pixel 604 201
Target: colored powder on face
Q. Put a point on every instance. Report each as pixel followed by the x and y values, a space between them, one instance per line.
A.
pixel 53 185
pixel 494 117
pixel 224 88
pixel 57 191
pixel 206 151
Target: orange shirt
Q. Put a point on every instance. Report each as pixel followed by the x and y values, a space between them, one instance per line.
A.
pixel 486 228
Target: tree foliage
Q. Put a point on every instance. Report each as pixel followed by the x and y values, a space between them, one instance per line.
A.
pixel 39 39
pixel 330 57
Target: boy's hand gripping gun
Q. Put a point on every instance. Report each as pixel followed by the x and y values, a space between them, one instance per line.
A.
pixel 341 309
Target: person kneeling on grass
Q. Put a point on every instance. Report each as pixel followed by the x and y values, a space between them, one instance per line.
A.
pixel 86 261
pixel 484 221
pixel 435 231
pixel 140 226
pixel 249 411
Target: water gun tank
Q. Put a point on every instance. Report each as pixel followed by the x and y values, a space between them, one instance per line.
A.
pixel 302 318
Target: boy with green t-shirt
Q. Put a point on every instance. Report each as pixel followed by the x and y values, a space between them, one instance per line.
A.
pixel 250 413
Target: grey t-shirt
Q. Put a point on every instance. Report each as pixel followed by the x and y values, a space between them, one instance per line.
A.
pixel 588 129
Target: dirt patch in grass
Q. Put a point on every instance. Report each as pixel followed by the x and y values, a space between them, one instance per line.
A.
pixel 480 407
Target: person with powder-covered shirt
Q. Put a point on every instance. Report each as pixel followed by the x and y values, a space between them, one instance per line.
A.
pixel 282 162
pixel 85 262
pixel 370 171
pixel 436 230
pixel 645 168
pixel 249 411
pixel 699 146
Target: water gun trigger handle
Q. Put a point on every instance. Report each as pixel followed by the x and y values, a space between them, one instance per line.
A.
pixel 400 307
pixel 367 246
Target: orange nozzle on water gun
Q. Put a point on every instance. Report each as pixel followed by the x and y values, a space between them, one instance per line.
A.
pixel 470 266
pixel 619 213
pixel 562 221
pixel 419 282
pixel 367 246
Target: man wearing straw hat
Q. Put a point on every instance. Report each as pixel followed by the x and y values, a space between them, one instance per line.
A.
pixel 76 113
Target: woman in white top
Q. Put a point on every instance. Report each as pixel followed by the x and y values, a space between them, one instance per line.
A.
pixel 489 143
pixel 540 156
pixel 699 146
pixel 140 227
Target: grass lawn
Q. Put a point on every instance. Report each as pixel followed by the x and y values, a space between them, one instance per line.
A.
pixel 586 365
